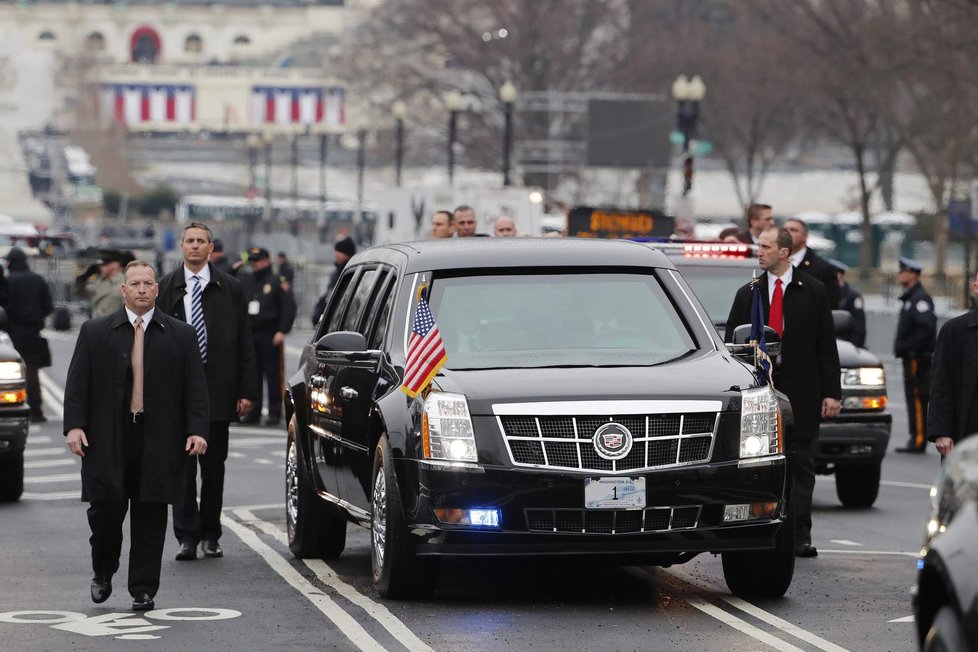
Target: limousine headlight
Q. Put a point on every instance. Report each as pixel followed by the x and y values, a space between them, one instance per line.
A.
pixel 760 422
pixel 863 377
pixel 446 428
pixel 11 371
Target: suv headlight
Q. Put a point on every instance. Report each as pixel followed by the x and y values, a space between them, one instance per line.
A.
pixel 446 428
pixel 863 377
pixel 760 422
pixel 11 371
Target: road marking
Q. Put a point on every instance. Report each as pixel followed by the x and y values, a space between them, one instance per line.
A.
pixel 294 350
pixel 41 452
pixel 769 618
pixel 51 478
pixel 905 619
pixel 262 461
pixel 911 485
pixel 328 576
pixel 61 495
pixel 42 439
pixel 738 624
pixel 883 553
pixel 39 464
pixel 344 621
pixel 54 397
pixel 845 542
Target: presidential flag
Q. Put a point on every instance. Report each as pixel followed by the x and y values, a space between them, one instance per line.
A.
pixel 762 361
pixel 426 351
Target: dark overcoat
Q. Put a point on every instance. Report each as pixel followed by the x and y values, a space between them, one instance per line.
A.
pixel 818 268
pixel 97 395
pixel 231 371
pixel 807 370
pixel 954 380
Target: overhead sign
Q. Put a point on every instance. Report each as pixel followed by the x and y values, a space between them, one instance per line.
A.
pixel 587 222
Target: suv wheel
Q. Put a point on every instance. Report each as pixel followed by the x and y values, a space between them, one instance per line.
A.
pixel 857 486
pixel 763 573
pixel 313 532
pixel 397 571
pixel 12 478
pixel 945 633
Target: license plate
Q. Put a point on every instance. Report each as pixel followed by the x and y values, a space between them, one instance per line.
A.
pixel 614 493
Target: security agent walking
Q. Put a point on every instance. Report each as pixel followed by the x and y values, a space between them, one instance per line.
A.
pixel 914 344
pixel 135 407
pixel 852 302
pixel 271 309
pixel 211 301
pixel 30 303
pixel 807 369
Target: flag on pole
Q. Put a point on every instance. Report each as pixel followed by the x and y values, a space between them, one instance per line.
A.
pixel 426 351
pixel 762 361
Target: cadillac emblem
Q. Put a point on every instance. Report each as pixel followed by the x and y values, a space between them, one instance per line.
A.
pixel 612 441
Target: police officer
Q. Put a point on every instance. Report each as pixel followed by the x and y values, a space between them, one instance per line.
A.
pixel 852 302
pixel 916 332
pixel 271 309
pixel 101 282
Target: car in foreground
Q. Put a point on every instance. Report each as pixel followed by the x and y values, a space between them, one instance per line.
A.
pixel 945 599
pixel 587 409
pixel 14 420
pixel 852 445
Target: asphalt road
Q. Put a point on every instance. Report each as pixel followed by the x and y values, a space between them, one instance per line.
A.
pixel 854 596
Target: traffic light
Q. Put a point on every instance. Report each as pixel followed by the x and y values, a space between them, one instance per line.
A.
pixel 687 175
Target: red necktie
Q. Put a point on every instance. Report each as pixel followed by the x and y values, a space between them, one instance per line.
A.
pixel 776 317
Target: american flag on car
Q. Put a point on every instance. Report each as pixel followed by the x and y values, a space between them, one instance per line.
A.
pixel 426 351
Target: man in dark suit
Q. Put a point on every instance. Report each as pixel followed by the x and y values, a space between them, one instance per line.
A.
pixel 759 218
pixel 806 370
pixel 811 263
pixel 134 453
pixel 851 301
pixel 952 414
pixel 224 339
pixel 30 304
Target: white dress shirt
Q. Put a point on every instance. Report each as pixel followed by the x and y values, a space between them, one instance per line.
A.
pixel 188 297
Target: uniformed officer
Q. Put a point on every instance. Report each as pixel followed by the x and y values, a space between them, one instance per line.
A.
pixel 916 332
pixel 101 282
pixel 271 309
pixel 852 302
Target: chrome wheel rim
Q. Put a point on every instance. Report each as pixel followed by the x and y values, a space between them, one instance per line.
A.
pixel 379 518
pixel 291 489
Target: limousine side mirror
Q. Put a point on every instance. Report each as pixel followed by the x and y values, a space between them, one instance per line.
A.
pixel 741 347
pixel 844 323
pixel 347 346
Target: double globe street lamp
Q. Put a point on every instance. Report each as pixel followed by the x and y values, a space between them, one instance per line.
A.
pixel 454 102
pixel 508 96
pixel 688 93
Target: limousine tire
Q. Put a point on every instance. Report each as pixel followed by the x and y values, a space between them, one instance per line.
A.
pixel 313 532
pixel 762 573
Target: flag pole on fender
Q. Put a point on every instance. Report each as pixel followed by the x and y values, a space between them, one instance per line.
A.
pixel 426 351
pixel 762 361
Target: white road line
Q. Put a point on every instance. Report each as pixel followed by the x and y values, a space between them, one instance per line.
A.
pixel 757 612
pixel 911 485
pixel 328 576
pixel 254 508
pixel 905 619
pixel 738 624
pixel 41 439
pixel 54 396
pixel 38 479
pixel 40 464
pixel 881 553
pixel 344 621
pixel 294 350
pixel 262 461
pixel 258 441
pixel 260 432
pixel 845 542
pixel 42 452
pixel 61 495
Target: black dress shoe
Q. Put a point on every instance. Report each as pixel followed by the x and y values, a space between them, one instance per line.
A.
pixel 806 550
pixel 910 449
pixel 188 551
pixel 101 588
pixel 211 548
pixel 142 602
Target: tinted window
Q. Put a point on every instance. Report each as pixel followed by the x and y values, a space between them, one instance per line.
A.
pixel 715 287
pixel 385 307
pixel 359 300
pixel 569 319
pixel 334 310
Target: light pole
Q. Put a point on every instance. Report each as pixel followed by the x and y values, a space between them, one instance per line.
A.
pixel 508 96
pixel 399 109
pixel 267 137
pixel 323 151
pixel 361 163
pixel 254 142
pixel 293 209
pixel 688 93
pixel 454 102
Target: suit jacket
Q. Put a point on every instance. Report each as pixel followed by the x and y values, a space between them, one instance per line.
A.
pixel 97 396
pixel 231 368
pixel 819 269
pixel 954 379
pixel 808 367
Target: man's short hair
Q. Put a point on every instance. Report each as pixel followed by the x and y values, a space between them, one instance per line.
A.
pixel 800 222
pixel 199 225
pixel 140 263
pixel 783 238
pixel 463 207
pixel 754 211
pixel 445 211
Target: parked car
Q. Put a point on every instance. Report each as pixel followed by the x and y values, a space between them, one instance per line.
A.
pixel 852 445
pixel 13 417
pixel 587 409
pixel 945 600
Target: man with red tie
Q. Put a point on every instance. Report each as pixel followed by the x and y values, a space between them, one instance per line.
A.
pixel 806 370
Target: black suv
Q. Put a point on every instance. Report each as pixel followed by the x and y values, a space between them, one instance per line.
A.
pixel 851 445
pixel 13 416
pixel 588 408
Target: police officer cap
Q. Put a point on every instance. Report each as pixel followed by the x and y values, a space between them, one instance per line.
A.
pixel 909 265
pixel 257 253
pixel 110 256
pixel 16 254
pixel 837 264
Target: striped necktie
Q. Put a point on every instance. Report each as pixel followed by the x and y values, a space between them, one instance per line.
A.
pixel 197 316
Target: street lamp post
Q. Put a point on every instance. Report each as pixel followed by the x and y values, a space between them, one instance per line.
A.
pixel 267 138
pixel 688 93
pixel 361 164
pixel 399 109
pixel 321 218
pixel 253 142
pixel 508 96
pixel 454 102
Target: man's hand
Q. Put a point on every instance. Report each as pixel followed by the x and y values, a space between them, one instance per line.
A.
pixel 244 406
pixel 196 445
pixel 77 442
pixel 944 445
pixel 278 338
pixel 830 407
